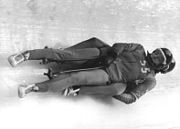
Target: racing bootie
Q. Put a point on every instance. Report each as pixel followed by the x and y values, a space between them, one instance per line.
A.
pixel 23 90
pixel 18 58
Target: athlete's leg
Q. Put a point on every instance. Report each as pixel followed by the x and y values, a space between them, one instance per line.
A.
pixel 57 54
pixel 58 84
pixel 104 90
pixel 54 55
pixel 25 89
pixel 92 78
pixel 44 86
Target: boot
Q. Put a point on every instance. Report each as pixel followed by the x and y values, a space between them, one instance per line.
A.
pixel 18 58
pixel 23 90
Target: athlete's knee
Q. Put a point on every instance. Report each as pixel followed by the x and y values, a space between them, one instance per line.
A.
pixel 94 39
pixel 119 88
pixel 102 75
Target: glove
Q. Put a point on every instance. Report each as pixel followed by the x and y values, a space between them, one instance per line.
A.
pixel 71 91
pixel 127 98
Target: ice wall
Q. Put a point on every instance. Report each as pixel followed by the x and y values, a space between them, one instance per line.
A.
pixel 26 24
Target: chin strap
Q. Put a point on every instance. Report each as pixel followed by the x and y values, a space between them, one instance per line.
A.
pixel 149 60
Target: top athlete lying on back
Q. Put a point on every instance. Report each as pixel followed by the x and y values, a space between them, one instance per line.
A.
pixel 124 71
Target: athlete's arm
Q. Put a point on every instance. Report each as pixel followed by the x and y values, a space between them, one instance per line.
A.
pixel 139 90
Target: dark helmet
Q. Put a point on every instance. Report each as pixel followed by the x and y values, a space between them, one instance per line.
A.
pixel 168 57
pixel 169 67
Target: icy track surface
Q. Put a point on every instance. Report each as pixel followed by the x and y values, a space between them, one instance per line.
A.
pixel 32 24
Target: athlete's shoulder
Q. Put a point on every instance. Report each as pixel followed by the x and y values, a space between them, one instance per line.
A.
pixel 128 47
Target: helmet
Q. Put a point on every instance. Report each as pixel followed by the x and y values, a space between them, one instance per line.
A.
pixel 169 67
pixel 168 57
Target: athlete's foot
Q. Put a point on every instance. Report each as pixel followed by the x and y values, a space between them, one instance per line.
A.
pixel 23 90
pixel 18 58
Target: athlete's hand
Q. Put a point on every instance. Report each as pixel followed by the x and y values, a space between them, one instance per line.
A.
pixel 127 98
pixel 71 91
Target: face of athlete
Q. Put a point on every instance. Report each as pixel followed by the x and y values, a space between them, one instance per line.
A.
pixel 157 57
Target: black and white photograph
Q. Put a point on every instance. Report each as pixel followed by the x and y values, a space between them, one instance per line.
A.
pixel 89 64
